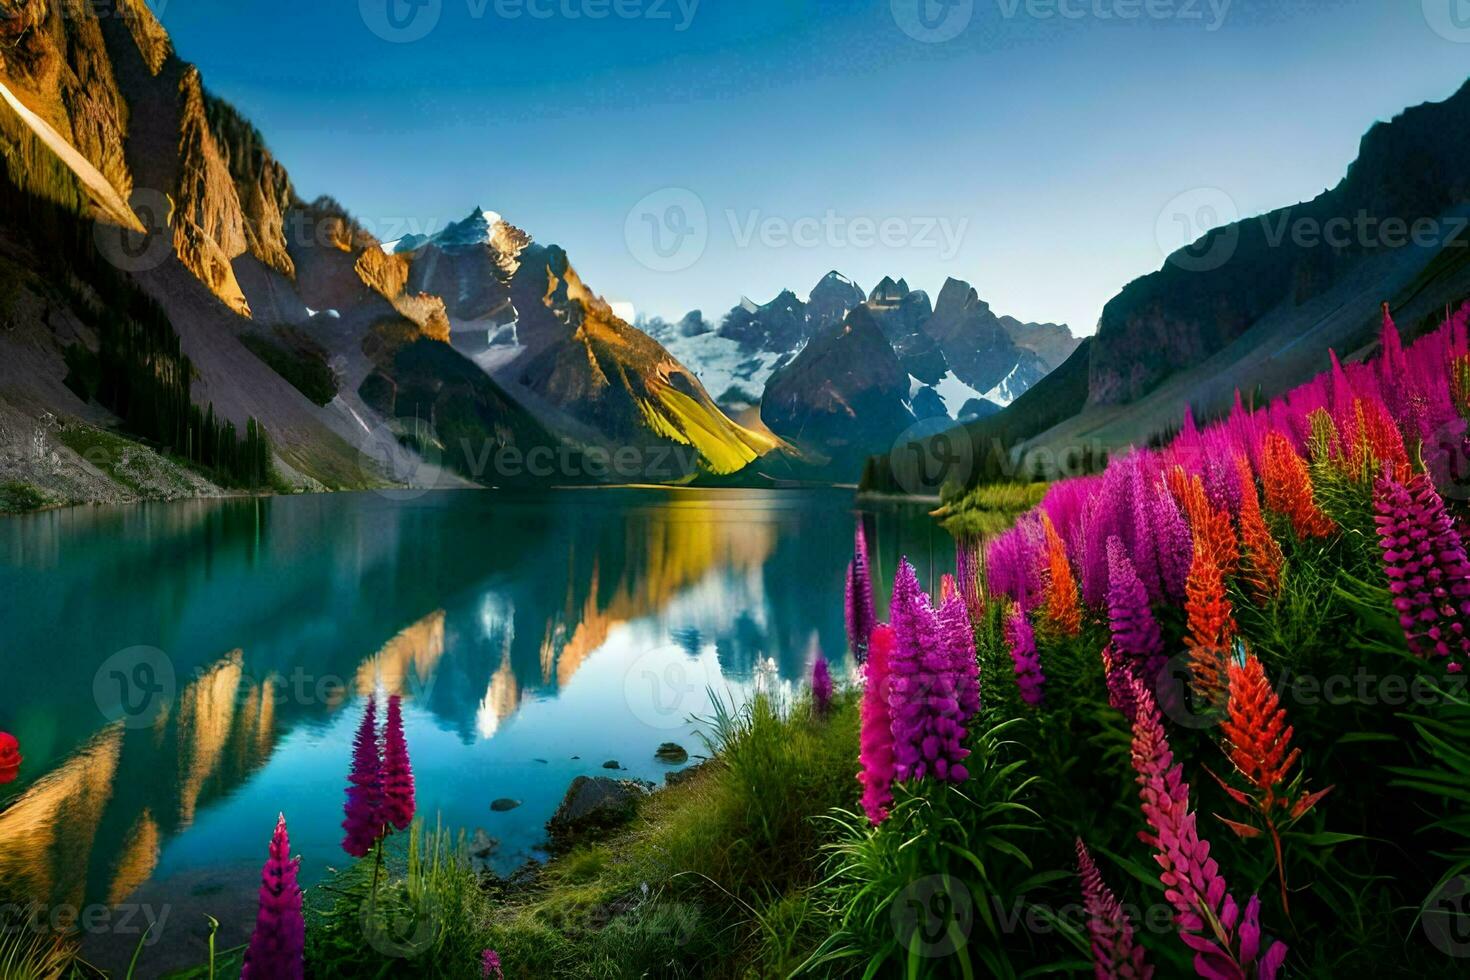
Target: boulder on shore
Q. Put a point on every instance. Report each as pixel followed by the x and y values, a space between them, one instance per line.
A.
pixel 594 804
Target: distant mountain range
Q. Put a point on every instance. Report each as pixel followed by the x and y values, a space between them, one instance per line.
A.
pixel 1253 306
pixel 843 372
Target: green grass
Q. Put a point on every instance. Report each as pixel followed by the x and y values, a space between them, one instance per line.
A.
pixel 103 450
pixel 986 511
pixel 20 498
pixel 719 877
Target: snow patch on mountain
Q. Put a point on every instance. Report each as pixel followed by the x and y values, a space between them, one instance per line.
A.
pixel 733 377
pixel 1003 394
pixel 955 393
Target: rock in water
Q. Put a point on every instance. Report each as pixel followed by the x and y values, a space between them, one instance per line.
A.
pixel 483 844
pixel 671 752
pixel 612 764
pixel 504 804
pixel 593 804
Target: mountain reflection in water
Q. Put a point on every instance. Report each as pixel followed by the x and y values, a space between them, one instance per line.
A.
pixel 533 637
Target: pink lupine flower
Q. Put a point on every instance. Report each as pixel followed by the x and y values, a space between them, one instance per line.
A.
pixel 923 700
pixel 1021 640
pixel 1118 672
pixel 490 965
pixel 398 804
pixel 1428 572
pixel 1226 944
pixel 821 685
pixel 859 598
pixel 1115 955
pixel 1135 631
pixel 278 944
pixel 876 739
pixel 365 817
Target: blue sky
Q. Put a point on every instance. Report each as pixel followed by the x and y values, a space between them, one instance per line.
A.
pixel 1035 148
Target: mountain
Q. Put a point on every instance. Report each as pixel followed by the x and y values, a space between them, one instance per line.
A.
pixel 1256 305
pixel 523 314
pixel 845 392
pixel 435 359
pixel 962 361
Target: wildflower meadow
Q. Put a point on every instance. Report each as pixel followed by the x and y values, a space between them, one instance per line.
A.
pixel 1219 722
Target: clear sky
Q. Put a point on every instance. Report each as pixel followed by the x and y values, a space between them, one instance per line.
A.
pixel 1036 148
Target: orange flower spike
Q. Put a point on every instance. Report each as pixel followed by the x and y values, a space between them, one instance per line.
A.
pixel 1257 733
pixel 1211 623
pixel 1258 742
pixel 1062 608
pixel 1212 529
pixel 1289 488
pixel 1263 571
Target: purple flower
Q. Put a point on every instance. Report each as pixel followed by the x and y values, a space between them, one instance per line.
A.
pixel 859 600
pixel 1022 642
pixel 278 943
pixel 365 818
pixel 1115 955
pixel 490 965
pixel 398 804
pixel 923 700
pixel 1425 561
pixel 959 639
pixel 1175 543
pixel 821 685
pixel 1135 631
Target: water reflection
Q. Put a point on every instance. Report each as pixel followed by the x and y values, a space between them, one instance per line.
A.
pixel 532 637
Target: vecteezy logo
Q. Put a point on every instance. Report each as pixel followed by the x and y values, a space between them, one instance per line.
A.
pixel 933 21
pixel 662 686
pixel 931 453
pixel 1450 19
pixel 133 251
pixel 668 230
pixel 401 21
pixel 1446 917
pixel 400 930
pixel 1191 229
pixel 134 686
pixel 1172 693
pixel 933 916
pixel 405 452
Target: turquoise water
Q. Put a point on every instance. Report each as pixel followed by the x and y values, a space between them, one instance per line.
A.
pixel 179 673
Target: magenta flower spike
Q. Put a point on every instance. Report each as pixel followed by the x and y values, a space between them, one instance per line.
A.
pixel 876 738
pixel 1175 543
pixel 1225 943
pixel 1021 640
pixel 1115 954
pixel 490 965
pixel 364 809
pixel 1118 673
pixel 821 685
pixel 277 946
pixel 1428 573
pixel 1135 631
pixel 923 695
pixel 398 805
pixel 959 636
pixel 859 598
